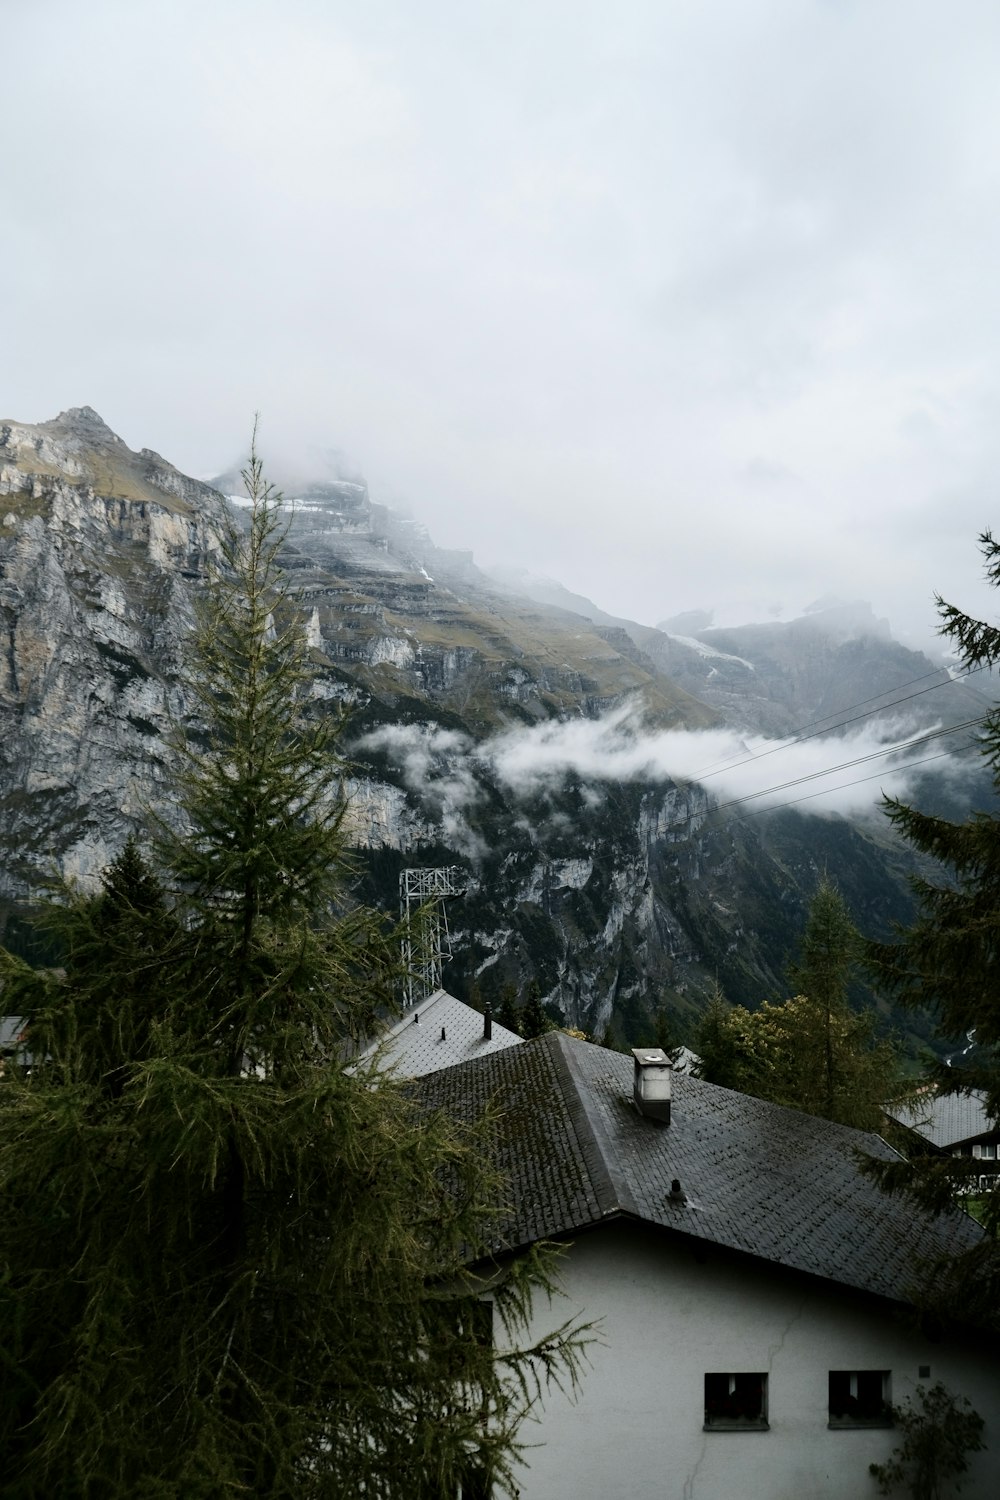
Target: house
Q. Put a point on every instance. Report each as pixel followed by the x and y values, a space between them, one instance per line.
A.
pixel 752 1286
pixel 439 1032
pixel 956 1125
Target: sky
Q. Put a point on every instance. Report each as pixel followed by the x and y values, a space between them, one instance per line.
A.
pixel 684 303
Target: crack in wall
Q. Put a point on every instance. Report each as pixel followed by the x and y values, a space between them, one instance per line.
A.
pixel 773 1350
pixel 688 1491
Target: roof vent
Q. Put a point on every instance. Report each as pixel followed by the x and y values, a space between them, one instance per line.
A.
pixel 651 1083
pixel 487 1022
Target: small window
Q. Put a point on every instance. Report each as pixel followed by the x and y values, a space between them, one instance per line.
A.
pixel 988 1151
pixel 735 1402
pixel 860 1398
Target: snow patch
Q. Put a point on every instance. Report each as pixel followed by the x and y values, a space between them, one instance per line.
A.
pixel 703 649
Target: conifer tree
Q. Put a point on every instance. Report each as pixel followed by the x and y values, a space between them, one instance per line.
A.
pixel 720 1049
pixel 810 1052
pixel 946 963
pixel 534 1021
pixel 508 1015
pixel 788 1052
pixel 233 1261
pixel 829 952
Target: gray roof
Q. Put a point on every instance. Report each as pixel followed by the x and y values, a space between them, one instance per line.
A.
pixel 949 1119
pixel 768 1181
pixel 439 1032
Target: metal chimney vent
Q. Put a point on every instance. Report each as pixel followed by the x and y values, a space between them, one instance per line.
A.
pixel 651 1083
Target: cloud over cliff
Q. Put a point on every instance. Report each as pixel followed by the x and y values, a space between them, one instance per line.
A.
pixel 448 772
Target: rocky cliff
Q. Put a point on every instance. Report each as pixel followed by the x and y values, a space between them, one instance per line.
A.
pixel 100 552
pixel 614 895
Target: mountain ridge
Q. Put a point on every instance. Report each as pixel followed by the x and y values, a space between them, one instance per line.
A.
pixel 616 896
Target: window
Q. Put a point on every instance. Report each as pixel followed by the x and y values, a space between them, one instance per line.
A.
pixel 736 1403
pixel 988 1151
pixel 860 1398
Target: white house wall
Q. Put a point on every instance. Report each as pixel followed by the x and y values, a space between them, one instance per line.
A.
pixel 636 1427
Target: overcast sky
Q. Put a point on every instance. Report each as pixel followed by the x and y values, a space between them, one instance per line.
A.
pixel 684 303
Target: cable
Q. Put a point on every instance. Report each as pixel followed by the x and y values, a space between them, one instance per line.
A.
pixel 848 764
pixel 755 812
pixel 800 736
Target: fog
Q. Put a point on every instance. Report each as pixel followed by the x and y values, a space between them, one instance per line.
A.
pixel 824 775
pixel 684 305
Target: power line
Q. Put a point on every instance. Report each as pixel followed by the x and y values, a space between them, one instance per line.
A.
pixel 808 732
pixel 857 761
pixel 755 812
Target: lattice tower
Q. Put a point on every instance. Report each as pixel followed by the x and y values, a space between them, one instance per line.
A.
pixel 426 940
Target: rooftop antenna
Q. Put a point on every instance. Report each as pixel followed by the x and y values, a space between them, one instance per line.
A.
pixel 423 892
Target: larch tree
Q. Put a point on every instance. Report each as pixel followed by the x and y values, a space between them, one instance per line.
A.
pixel 829 953
pixel 811 1052
pixel 234 1259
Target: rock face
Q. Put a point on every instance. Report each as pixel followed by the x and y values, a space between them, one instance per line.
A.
pixel 776 678
pixel 100 551
pixel 615 897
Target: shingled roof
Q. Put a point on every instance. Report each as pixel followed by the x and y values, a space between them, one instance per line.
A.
pixel 948 1119
pixel 770 1182
pixel 437 1033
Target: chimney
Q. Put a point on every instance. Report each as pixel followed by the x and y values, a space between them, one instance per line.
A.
pixel 487 1022
pixel 651 1083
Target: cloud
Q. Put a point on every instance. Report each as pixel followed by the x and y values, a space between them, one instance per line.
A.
pixel 438 769
pixel 576 282
pixel 846 775
pixel 841 774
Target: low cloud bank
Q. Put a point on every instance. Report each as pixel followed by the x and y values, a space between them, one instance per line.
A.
pixel 844 774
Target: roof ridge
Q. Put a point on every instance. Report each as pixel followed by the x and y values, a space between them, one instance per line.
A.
pixel 610 1186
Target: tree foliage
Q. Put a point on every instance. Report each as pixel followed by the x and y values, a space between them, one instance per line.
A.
pixel 796 1053
pixel 939 1432
pixel 829 954
pixel 533 1020
pixel 230 1262
pixel 509 1015
pixel 811 1052
pixel 946 964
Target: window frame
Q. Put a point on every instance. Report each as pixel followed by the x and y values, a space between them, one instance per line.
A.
pixel 865 1416
pixel 738 1392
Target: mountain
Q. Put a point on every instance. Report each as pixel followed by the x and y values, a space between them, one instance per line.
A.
pixel 780 677
pixel 784 678
pixel 616 894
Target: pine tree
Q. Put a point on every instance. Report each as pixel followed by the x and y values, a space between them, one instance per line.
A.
pixel 946 962
pixel 233 1263
pixel 720 1048
pixel 534 1021
pixel 509 1015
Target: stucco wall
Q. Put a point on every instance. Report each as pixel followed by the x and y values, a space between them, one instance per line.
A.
pixel 636 1427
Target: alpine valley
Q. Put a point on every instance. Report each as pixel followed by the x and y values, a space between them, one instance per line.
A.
pixel 619 895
